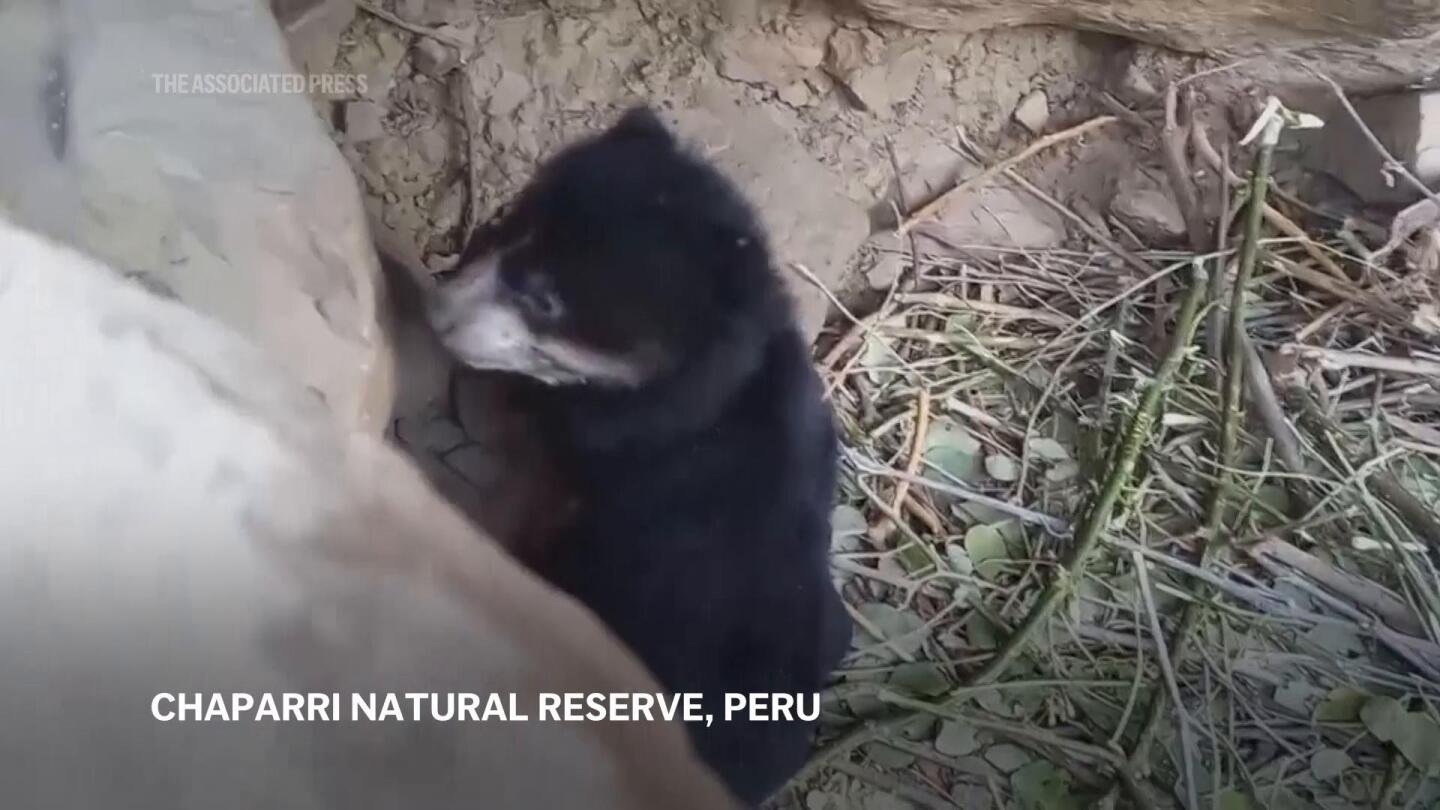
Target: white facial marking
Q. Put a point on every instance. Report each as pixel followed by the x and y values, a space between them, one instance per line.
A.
pixel 591 365
pixel 475 322
pixel 482 327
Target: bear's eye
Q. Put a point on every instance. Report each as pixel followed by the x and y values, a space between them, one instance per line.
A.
pixel 533 294
pixel 543 305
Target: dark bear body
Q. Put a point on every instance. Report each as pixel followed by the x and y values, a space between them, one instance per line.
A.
pixel 703 545
pixel 681 408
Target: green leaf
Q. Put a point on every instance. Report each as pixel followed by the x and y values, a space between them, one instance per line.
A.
pixel 1062 471
pixel 1276 497
pixel 901 628
pixel 913 559
pixel 1002 467
pixel 1337 641
pixel 987 549
pixel 867 707
pixel 1233 800
pixel 888 757
pixel 921 678
pixel 971 797
pixel 956 739
pixel 1341 705
pixel 962 322
pixel 965 594
pixel 1001 702
pixel 947 433
pixel 1384 717
pixel 1042 786
pixel 1354 794
pixel 1329 763
pixel 1296 694
pixel 1012 531
pixel 973 766
pixel 847 526
pixel 981 633
pixel 951 448
pixel 877 354
pixel 919 729
pixel 959 559
pixel 821 800
pixel 1048 449
pixel 971 512
pixel 1413 734
pixel 1008 758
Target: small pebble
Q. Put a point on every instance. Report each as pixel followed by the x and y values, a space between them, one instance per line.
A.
pixel 1033 112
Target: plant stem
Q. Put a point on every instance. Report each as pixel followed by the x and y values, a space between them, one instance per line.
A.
pixel 1229 435
pixel 1097 516
pixel 1087 540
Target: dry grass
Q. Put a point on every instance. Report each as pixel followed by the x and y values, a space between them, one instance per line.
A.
pixel 1080 582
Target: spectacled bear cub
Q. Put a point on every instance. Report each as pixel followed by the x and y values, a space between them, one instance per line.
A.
pixel 632 281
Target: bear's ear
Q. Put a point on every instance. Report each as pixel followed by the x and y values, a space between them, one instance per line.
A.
pixel 642 123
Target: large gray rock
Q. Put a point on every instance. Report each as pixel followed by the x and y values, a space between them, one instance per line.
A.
pixel 1181 24
pixel 235 202
pixel 179 516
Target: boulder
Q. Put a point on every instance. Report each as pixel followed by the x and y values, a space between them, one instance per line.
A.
pixel 183 518
pixel 1226 25
pixel 178 143
pixel 1033 112
pixel 1146 206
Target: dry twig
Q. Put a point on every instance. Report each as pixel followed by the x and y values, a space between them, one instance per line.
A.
pixel 928 210
pixel 421 30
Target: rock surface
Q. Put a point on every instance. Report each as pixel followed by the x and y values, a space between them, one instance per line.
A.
pixel 597 64
pixel 435 58
pixel 890 261
pixel 809 221
pixel 995 216
pixel 1146 206
pixel 839 91
pixel 313 29
pixel 236 203
pixel 1407 123
pixel 188 519
pixel 1181 24
pixel 1033 112
pixel 364 121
